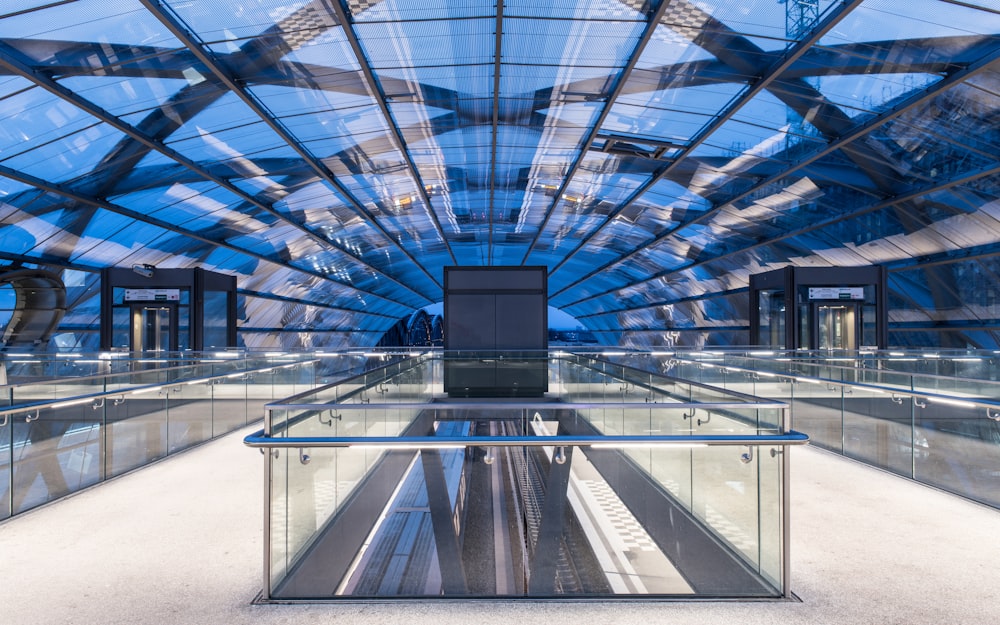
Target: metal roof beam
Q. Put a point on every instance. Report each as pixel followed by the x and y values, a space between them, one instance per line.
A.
pixel 907 196
pixel 495 126
pixel 379 95
pixel 762 82
pixel 16 66
pixel 81 198
pixel 236 86
pixel 858 131
pixel 647 35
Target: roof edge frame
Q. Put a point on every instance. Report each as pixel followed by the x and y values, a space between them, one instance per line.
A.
pixel 862 129
pixel 174 25
pixel 376 88
pixel 640 47
pixel 763 81
pixel 9 61
pixel 57 189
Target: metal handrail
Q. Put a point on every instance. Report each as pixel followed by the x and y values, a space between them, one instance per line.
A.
pixel 878 388
pixel 348 380
pixel 116 374
pixel 815 363
pixel 527 405
pixel 258 439
pixel 674 379
pixel 135 390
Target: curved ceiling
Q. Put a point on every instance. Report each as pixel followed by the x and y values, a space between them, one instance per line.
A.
pixel 337 155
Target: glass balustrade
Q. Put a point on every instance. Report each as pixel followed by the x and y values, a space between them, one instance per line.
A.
pixel 60 436
pixel 615 483
pixel 932 417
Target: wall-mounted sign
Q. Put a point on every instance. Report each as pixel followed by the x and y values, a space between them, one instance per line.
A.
pixel 836 292
pixel 152 295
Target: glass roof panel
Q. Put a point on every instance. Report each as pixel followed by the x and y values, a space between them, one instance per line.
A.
pixel 667 114
pixel 881 20
pixel 589 42
pixel 762 19
pixel 392 45
pixel 123 96
pixel 667 48
pixel 870 93
pixel 231 115
pixel 8 190
pixel 80 149
pixel 124 21
pixel 602 183
pixel 748 143
pixel 224 27
pixel 494 165
pixel 387 10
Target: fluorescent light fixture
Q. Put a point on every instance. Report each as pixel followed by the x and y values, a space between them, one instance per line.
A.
pixel 952 402
pixel 896 354
pixel 931 356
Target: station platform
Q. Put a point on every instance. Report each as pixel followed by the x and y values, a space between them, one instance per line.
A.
pixel 180 542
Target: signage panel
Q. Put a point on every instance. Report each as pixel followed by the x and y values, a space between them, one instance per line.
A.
pixel 837 292
pixel 152 295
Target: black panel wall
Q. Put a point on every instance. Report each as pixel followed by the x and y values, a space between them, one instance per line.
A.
pixel 495 331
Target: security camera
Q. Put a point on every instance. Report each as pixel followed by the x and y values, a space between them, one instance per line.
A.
pixel 144 270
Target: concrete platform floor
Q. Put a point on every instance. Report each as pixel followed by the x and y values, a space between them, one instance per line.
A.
pixel 180 543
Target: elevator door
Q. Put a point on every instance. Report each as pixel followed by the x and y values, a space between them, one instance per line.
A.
pixel 154 328
pixel 836 325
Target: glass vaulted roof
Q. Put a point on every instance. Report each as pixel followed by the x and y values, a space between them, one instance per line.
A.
pixel 337 155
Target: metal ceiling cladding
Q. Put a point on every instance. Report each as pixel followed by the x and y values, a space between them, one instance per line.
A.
pixel 336 156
